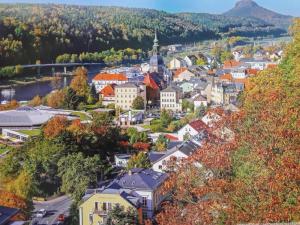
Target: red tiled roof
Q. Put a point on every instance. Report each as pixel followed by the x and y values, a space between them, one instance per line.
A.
pixel 252 71
pixel 198 125
pixel 230 63
pixel 150 82
pixel 108 76
pixel 179 71
pixel 108 91
pixel 171 137
pixel 226 76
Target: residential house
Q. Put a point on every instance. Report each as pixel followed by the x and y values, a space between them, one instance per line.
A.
pixel 199 101
pixel 177 63
pixel 223 93
pixel 147 184
pixel 103 79
pixel 239 72
pixel 107 94
pixel 171 99
pixel 175 48
pixel 183 74
pixel 126 93
pixel 162 161
pixel 259 64
pixel 97 205
pixel 191 129
pixel 6 214
pixel 131 117
pixel 211 118
pixel 229 64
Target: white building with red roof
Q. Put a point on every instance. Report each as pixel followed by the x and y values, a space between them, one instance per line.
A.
pixel 101 80
pixel 192 129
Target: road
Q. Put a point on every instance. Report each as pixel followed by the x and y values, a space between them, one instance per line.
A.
pixel 60 205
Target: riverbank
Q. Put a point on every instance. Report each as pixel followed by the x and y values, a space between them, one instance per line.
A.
pixel 28 80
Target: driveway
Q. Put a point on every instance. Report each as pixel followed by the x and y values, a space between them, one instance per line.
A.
pixel 60 205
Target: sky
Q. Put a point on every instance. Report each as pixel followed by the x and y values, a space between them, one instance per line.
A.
pixel 289 7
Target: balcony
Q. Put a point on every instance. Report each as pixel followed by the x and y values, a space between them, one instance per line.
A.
pixel 100 212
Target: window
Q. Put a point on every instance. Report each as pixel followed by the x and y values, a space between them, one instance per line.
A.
pixel 109 206
pixel 96 205
pixel 144 201
pixel 160 167
pixel 104 208
pixel 91 218
pixel 145 215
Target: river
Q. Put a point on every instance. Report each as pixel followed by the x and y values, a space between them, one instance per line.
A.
pixel 28 91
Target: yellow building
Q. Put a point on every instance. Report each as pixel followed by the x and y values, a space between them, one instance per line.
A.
pixel 94 210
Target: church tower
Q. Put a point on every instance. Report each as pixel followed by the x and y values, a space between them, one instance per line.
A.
pixel 156 61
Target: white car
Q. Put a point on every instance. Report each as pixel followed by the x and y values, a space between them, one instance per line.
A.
pixel 41 213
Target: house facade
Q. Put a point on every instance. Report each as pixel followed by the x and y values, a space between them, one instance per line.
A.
pixel 126 93
pixel 183 75
pixel 95 209
pixel 171 99
pixel 191 129
pixel 177 63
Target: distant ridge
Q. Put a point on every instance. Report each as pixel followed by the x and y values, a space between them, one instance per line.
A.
pixel 249 8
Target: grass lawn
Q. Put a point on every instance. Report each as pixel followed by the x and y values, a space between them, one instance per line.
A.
pixel 34 132
pixel 81 115
pixel 3 149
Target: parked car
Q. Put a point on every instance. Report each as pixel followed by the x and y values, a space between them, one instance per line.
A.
pixel 61 217
pixel 41 213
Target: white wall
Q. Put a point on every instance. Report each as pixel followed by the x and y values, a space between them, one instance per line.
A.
pixel 187 129
pixel 160 165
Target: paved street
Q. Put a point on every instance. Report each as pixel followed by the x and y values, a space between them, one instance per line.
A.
pixel 54 207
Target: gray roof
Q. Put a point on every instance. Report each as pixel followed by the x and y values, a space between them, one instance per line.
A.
pixel 24 116
pixel 156 60
pixel 139 179
pixel 6 214
pixel 128 85
pixel 186 148
pixel 155 156
pixel 172 88
pixel 132 197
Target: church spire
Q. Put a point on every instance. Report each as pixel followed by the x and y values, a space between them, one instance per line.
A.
pixel 155 45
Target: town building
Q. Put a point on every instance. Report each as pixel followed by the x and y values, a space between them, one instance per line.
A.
pixel 164 161
pixel 126 93
pixel 156 61
pixel 200 101
pixel 97 205
pixel 147 184
pixel 121 160
pixel 191 129
pixel 153 85
pixel 107 94
pixel 171 99
pixel 175 48
pixel 183 74
pixel 177 63
pixel 101 80
pixel 131 117
pixel 223 93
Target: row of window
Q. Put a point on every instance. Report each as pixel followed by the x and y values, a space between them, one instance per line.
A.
pixel 125 101
pixel 168 94
pixel 168 105
pixel 168 100
pixel 125 96
pixel 126 90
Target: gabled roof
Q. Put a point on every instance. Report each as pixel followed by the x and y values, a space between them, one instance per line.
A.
pixel 226 76
pixel 200 98
pixel 112 77
pixel 6 214
pixel 139 179
pixel 172 88
pixel 108 91
pixel 179 71
pixel 150 82
pixel 198 125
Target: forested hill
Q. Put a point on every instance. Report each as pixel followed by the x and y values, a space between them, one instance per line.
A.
pixel 31 32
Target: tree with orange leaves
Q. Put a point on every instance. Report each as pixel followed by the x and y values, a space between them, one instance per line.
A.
pixel 10 105
pixel 11 200
pixel 56 99
pixel 80 82
pixel 253 178
pixel 55 126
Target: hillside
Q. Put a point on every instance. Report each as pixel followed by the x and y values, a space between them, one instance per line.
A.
pixel 249 8
pixel 31 32
pixel 231 26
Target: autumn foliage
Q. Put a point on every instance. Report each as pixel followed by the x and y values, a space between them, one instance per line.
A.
pixel 10 105
pixel 55 127
pixel 253 178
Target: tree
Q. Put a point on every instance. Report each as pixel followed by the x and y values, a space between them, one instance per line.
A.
pixel 187 105
pixel 139 160
pixel 119 216
pixel 165 118
pixel 138 103
pixel 72 100
pixel 36 101
pixel 80 82
pixel 161 143
pixel 10 105
pixel 55 126
pixel 56 99
pixel 84 169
